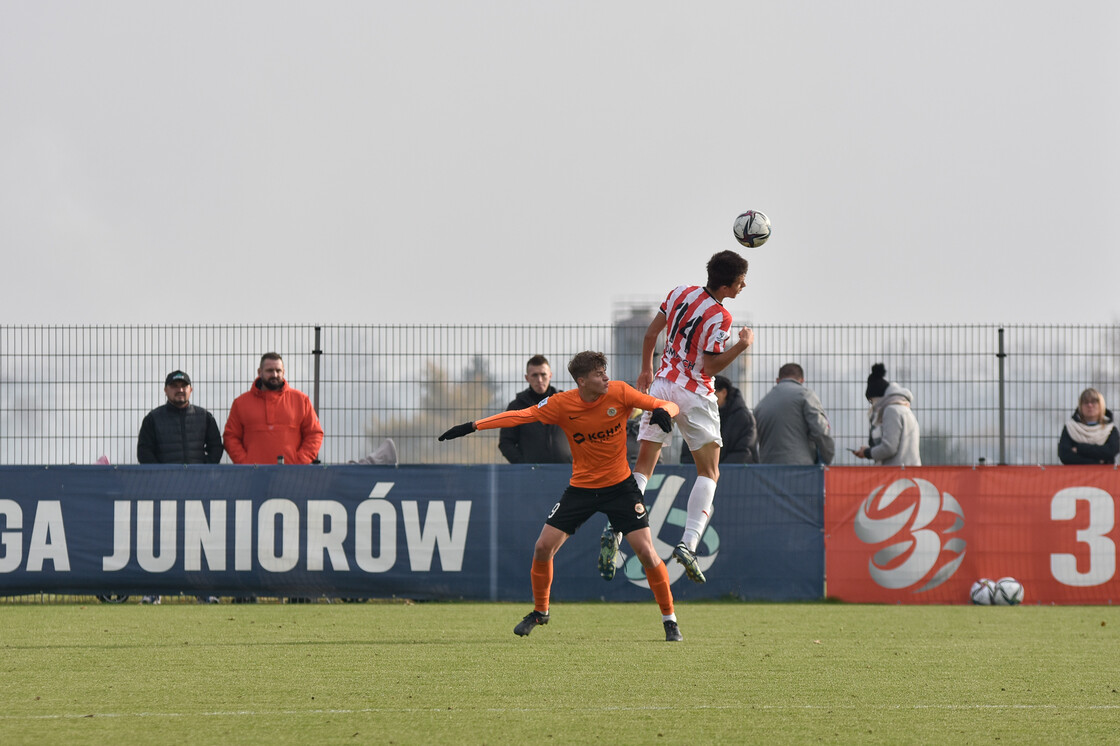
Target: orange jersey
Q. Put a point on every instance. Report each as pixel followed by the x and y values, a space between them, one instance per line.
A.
pixel 596 430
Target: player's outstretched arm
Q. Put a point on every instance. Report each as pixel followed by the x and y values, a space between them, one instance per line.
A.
pixel 716 363
pixel 661 411
pixel 458 431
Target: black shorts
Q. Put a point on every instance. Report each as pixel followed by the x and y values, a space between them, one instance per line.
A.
pixel 622 504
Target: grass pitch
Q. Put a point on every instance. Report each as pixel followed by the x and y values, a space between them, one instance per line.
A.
pixel 455 673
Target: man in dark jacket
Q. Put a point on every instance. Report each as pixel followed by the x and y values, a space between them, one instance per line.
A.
pixel 179 432
pixel 535 443
pixel 736 426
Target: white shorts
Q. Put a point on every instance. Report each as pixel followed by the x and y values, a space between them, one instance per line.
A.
pixel 698 420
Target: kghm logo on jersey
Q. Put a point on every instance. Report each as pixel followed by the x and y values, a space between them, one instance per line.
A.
pixel 913 529
pixel 580 438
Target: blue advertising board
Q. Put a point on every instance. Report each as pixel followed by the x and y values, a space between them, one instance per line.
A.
pixel 422 532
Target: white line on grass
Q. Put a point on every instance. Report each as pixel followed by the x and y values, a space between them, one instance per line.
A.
pixel 373 710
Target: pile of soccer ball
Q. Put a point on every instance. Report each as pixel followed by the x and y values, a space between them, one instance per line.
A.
pixel 1002 592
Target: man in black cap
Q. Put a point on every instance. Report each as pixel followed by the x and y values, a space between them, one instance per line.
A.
pixel 179 432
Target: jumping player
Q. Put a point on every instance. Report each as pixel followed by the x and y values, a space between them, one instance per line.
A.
pixel 593 416
pixel 697 330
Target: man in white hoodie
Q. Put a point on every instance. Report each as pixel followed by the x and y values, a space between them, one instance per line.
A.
pixel 894 435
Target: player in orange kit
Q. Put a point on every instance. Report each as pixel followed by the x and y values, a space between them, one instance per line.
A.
pixel 593 416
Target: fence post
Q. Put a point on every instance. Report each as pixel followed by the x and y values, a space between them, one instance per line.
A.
pixel 318 355
pixel 1002 411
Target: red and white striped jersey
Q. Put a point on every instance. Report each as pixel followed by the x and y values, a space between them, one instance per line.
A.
pixel 696 323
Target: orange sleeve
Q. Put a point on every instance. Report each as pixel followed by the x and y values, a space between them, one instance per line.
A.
pixel 512 418
pixel 649 403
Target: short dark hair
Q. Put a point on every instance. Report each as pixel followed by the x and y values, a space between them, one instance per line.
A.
pixel 270 356
pixel 537 360
pixel 584 363
pixel 721 383
pixel 791 370
pixel 725 268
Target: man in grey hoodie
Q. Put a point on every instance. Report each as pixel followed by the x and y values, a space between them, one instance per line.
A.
pixel 894 438
pixel 792 426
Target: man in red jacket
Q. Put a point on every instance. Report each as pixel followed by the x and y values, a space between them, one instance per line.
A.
pixel 272 420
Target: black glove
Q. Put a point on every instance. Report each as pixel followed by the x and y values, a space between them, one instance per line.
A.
pixel 661 418
pixel 459 431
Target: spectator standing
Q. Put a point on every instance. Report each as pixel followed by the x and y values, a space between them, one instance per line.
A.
pixel 273 423
pixel 1090 435
pixel 178 432
pixel 535 442
pixel 894 434
pixel 736 426
pixel 272 420
pixel 792 426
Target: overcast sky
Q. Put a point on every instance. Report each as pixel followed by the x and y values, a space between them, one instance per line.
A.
pixel 538 162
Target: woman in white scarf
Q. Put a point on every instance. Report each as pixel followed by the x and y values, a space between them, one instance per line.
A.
pixel 895 436
pixel 1090 435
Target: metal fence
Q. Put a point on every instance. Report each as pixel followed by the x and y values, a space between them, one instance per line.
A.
pixel 74 394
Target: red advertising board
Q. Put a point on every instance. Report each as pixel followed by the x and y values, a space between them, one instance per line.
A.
pixel 923 535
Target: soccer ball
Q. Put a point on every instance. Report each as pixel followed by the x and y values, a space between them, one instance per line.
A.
pixel 752 228
pixel 982 592
pixel 1008 592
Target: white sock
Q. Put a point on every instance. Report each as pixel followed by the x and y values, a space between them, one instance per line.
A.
pixel 699 511
pixel 668 617
pixel 641 479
